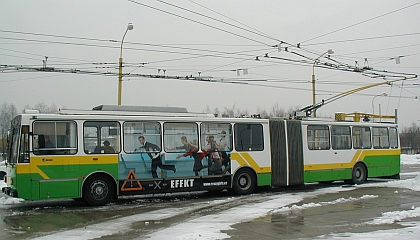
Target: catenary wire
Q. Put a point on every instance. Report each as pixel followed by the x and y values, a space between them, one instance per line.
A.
pixel 370 19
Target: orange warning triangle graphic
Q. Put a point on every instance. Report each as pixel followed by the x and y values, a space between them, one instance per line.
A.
pixel 130 184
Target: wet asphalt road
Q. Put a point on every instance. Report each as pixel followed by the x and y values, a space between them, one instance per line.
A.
pixel 324 220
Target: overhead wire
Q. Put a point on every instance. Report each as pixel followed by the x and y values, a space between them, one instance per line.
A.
pixel 233 81
pixel 107 46
pixel 244 56
pixel 356 24
pixel 117 41
pixel 150 50
pixel 284 59
pixel 167 51
pixel 198 22
pixel 159 45
pixel 254 29
pixel 364 39
pixel 383 49
pixel 93 45
pixel 220 21
pixel 259 33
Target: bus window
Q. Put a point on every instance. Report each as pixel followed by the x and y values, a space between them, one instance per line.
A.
pixel 340 137
pixel 380 137
pixel 58 138
pixel 318 137
pixel 361 138
pixel 249 137
pixel 173 132
pixel 393 137
pixel 66 138
pixel 133 130
pixel 99 136
pixel 222 134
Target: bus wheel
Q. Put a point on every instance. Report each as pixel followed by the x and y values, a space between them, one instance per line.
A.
pixel 98 190
pixel 359 174
pixel 244 182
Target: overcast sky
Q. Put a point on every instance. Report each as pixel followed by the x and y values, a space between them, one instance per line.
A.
pixel 212 39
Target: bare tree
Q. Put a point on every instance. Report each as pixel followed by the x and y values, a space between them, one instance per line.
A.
pixel 277 111
pixel 207 109
pixel 43 108
pixel 229 112
pixel 241 113
pixel 292 109
pixel 263 113
pixel 216 112
pixel 7 112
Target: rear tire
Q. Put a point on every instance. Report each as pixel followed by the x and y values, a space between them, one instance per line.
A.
pixel 244 182
pixel 99 190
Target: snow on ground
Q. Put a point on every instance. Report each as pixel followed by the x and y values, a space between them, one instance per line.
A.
pixel 10 200
pixel 320 204
pixel 198 228
pixel 410 159
pixel 2 184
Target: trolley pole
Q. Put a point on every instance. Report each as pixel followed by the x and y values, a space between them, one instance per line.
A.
pixel 330 51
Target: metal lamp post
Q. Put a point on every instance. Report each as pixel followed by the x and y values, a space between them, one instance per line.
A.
pixel 373 99
pixel 129 27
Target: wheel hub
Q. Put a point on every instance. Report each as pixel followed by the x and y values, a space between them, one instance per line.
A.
pixel 98 190
pixel 243 181
pixel 358 174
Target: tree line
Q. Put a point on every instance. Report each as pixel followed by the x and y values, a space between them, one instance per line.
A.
pixel 410 139
pixel 274 111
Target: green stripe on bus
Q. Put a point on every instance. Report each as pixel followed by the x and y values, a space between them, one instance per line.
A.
pixel 377 166
pixel 264 179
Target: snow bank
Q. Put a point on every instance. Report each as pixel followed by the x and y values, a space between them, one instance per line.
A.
pixel 287 210
pixel 410 159
pixel 10 200
pixel 395 216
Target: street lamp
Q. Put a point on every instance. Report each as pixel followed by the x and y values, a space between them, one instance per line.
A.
pixel 129 27
pixel 373 99
pixel 330 51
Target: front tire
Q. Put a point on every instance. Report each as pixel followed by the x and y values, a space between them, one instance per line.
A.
pixel 244 182
pixel 359 174
pixel 98 190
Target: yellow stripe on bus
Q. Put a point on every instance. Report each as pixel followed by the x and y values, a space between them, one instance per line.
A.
pixel 245 159
pixel 30 168
pixel 37 162
pixel 360 155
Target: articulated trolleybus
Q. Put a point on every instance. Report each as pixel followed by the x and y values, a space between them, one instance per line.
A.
pixel 110 151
